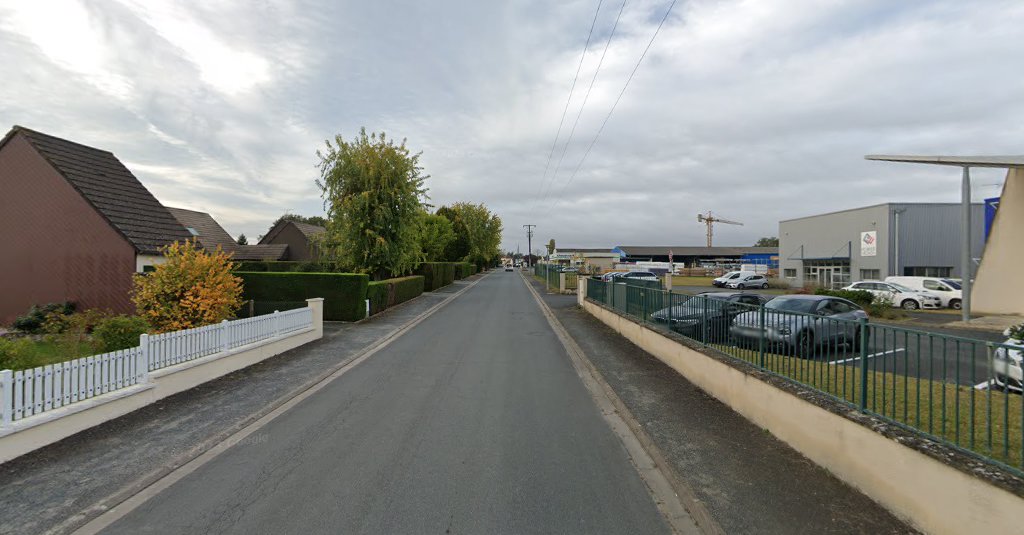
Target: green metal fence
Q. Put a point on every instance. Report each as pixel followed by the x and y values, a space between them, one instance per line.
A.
pixel 547 273
pixel 960 391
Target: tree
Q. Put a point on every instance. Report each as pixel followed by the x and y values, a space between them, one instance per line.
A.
pixel 242 240
pixel 435 235
pixel 767 242
pixel 374 194
pixel 551 247
pixel 191 288
pixel 477 233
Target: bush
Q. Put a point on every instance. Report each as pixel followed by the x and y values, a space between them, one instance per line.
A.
pixel 863 298
pixel 1015 332
pixel 436 274
pixel 289 267
pixel 15 353
pixel 114 333
pixel 388 293
pixel 37 316
pixel 464 269
pixel 344 293
pixel 779 284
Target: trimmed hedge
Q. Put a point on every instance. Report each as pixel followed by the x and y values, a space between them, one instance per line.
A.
pixel 464 269
pixel 288 267
pixel 388 293
pixel 861 297
pixel 436 274
pixel 344 293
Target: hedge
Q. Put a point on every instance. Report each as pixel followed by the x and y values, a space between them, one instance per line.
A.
pixel 861 297
pixel 464 269
pixel 344 293
pixel 388 293
pixel 436 274
pixel 288 267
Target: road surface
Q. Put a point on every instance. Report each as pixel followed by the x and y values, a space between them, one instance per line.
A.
pixel 474 421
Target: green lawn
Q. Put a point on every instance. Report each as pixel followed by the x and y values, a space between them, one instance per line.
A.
pixel 42 352
pixel 692 281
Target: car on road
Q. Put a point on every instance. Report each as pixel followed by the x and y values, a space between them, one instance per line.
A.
pixel 721 282
pixel 802 323
pixel 948 290
pixel 899 295
pixel 717 309
pixel 639 275
pixel 748 281
pixel 508 267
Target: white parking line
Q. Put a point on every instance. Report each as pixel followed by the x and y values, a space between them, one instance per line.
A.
pixel 890 352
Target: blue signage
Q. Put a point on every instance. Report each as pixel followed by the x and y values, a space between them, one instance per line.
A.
pixel 990 214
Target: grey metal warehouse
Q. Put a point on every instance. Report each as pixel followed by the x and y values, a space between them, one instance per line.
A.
pixel 873 242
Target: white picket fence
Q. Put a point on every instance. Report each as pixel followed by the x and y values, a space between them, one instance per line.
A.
pixel 25 393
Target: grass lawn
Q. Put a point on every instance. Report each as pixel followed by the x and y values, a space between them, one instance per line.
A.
pixel 692 281
pixel 988 422
pixel 43 352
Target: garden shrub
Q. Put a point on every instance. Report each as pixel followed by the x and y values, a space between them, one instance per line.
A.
pixel 15 353
pixel 114 333
pixel 390 292
pixel 344 294
pixel 33 321
pixel 436 274
pixel 289 266
pixel 464 269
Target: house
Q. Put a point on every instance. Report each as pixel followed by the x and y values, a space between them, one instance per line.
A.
pixel 211 235
pixel 75 224
pixel 299 237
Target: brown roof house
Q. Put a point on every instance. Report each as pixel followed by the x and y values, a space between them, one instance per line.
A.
pixel 301 239
pixel 211 235
pixel 75 224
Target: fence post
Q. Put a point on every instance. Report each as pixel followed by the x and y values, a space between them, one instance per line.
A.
pixel 670 309
pixel 863 332
pixel 7 385
pixel 704 320
pixel 275 321
pixel 143 366
pixel 760 339
pixel 225 333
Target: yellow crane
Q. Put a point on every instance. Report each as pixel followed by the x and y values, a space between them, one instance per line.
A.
pixel 710 221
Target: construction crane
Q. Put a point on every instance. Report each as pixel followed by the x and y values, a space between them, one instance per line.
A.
pixel 710 221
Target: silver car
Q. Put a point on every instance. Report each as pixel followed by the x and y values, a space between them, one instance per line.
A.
pixel 802 323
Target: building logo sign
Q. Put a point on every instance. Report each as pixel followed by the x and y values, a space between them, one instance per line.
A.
pixel 869 243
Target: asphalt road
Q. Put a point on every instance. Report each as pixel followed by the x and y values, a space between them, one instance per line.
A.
pixel 474 421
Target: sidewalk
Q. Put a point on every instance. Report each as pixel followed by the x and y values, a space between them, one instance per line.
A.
pixel 60 486
pixel 749 481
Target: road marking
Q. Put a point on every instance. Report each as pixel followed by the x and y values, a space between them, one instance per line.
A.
pixel 131 503
pixel 676 501
pixel 873 355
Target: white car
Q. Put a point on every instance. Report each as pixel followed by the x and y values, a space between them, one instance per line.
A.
pixel 508 267
pixel 638 275
pixel 948 290
pixel 732 276
pixel 1008 364
pixel 749 281
pixel 899 295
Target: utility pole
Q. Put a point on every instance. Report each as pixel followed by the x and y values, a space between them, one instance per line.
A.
pixel 529 244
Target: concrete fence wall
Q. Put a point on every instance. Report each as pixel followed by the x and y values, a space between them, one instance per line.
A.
pixel 933 496
pixel 31 433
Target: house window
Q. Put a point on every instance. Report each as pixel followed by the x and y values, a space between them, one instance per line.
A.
pixel 870 274
pixel 192 231
pixel 789 273
pixel 927 271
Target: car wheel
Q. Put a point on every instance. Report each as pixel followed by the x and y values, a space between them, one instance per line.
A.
pixel 955 304
pixel 740 287
pixel 909 304
pixel 764 286
pixel 805 344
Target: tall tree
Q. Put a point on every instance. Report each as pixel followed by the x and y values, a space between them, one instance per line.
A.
pixel 458 248
pixel 317 220
pixel 767 242
pixel 551 246
pixel 242 240
pixel 477 233
pixel 374 193
pixel 435 235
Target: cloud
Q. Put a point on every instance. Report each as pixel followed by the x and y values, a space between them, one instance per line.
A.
pixel 759 111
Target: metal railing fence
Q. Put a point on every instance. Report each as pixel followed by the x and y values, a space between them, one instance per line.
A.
pixel 960 391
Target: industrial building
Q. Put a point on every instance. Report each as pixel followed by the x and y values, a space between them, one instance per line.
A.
pixel 599 259
pixel 695 257
pixel 873 242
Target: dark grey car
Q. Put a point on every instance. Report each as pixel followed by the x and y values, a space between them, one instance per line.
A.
pixel 715 309
pixel 803 323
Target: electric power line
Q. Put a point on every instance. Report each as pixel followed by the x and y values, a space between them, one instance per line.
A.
pixel 554 143
pixel 612 110
pixel 586 97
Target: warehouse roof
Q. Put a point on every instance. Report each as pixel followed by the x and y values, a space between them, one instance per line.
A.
pixel 683 250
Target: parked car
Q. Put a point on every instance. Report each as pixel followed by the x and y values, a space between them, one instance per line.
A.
pixel 568 270
pixel 948 290
pixel 802 323
pixel 749 281
pixel 721 282
pixel 612 275
pixel 717 308
pixel 639 275
pixel 1008 364
pixel 899 295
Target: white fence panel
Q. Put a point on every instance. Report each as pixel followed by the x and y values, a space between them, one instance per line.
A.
pixel 25 393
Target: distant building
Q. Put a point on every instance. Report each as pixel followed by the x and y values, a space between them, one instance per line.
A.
pixel 873 242
pixel 597 258
pixel 75 224
pixel 299 237
pixel 689 256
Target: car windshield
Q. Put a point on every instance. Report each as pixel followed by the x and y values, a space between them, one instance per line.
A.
pixel 900 287
pixel 791 305
pixel 952 284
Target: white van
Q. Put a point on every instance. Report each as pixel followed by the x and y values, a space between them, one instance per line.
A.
pixel 732 276
pixel 948 290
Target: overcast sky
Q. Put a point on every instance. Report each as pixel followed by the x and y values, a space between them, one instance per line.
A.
pixel 757 110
